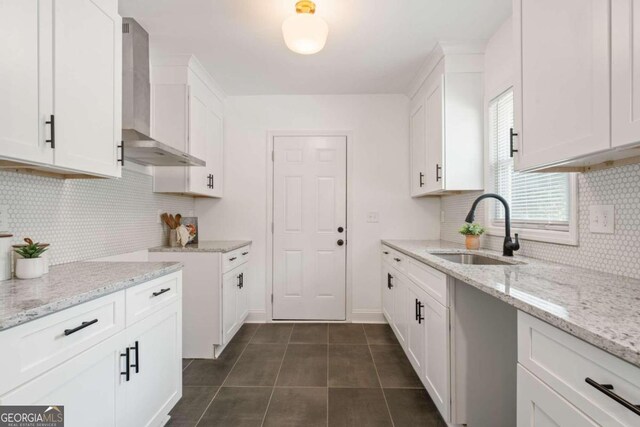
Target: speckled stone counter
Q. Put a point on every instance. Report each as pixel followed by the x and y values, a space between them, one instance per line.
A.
pixel 205 246
pixel 70 284
pixel 600 308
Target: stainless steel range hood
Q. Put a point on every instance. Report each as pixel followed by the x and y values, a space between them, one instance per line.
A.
pixel 136 104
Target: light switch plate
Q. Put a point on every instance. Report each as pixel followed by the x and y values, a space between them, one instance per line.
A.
pixel 372 217
pixel 4 218
pixel 601 219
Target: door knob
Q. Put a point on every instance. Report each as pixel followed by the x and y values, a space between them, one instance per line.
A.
pixel 340 242
pixel 340 229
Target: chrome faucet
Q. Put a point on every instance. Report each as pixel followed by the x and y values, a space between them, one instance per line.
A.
pixel 508 246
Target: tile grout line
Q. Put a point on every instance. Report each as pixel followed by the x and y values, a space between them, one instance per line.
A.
pixel 384 396
pixel 264 417
pixel 225 378
pixel 188 364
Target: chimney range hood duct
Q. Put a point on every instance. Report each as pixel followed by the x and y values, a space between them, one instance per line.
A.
pixel 136 104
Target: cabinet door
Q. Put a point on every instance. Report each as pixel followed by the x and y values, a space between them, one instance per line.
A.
pixel 540 406
pixel 435 137
pixel 562 80
pixel 155 385
pixel 198 140
pixel 87 85
pixel 625 72
pixel 25 80
pixel 215 153
pixel 242 296
pixel 437 366
pixel 417 123
pixel 415 307
pixel 230 282
pixel 388 280
pixel 400 315
pixel 89 386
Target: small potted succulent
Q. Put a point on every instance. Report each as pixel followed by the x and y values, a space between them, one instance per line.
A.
pixel 30 265
pixel 472 232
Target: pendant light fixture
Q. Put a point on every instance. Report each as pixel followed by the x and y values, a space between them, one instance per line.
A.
pixel 304 32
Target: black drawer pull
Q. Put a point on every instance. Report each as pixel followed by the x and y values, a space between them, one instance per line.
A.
pixel 607 389
pixel 421 179
pixel 245 253
pixel 420 316
pixel 385 252
pixel 161 291
pixel 233 258
pixel 136 365
pixel 82 326
pixel 127 356
pixel 397 259
pixel 389 283
pixel 52 123
pixel 511 149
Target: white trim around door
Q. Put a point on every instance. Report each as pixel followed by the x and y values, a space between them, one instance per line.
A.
pixel 270 192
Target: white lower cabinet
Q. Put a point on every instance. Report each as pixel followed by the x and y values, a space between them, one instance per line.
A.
pixel 130 378
pixel 421 325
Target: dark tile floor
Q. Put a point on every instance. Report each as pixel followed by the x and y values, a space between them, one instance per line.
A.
pixel 290 375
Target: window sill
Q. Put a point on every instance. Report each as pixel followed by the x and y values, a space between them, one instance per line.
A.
pixel 569 238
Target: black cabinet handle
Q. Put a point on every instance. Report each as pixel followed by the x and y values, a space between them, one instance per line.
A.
pixel 245 253
pixel 233 258
pixel 421 179
pixel 121 147
pixel 161 291
pixel 420 316
pixel 52 123
pixel 239 284
pixel 389 278
pixel 136 365
pixel 607 389
pixel 241 280
pixel 417 309
pixel 127 356
pixel 397 259
pixel 82 326
pixel 210 181
pixel 438 169
pixel 385 252
pixel 511 135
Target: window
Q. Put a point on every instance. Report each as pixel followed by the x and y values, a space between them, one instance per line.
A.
pixel 542 206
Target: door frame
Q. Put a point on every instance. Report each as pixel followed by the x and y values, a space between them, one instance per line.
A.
pixel 269 216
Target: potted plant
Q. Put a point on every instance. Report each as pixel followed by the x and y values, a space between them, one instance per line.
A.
pixel 472 233
pixel 30 265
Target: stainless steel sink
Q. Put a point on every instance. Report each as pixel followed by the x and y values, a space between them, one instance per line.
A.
pixel 472 259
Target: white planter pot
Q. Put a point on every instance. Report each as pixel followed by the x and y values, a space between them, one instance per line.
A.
pixel 29 268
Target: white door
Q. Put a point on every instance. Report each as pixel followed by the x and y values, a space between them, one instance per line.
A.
pixel 309 209
pixel 540 406
pixel 199 182
pixel 625 72
pixel 387 292
pixel 562 79
pixel 418 149
pixel 400 314
pixel 215 153
pixel 87 85
pixel 155 384
pixel 415 306
pixel 434 137
pixel 25 80
pixel 230 285
pixel 89 386
pixel 436 373
pixel 242 299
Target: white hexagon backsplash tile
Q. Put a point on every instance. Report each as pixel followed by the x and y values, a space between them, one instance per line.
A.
pixel 617 253
pixel 85 219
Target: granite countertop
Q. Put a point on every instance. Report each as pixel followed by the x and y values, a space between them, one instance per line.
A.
pixel 223 246
pixel 70 284
pixel 600 308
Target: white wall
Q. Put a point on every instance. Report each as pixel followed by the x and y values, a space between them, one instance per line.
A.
pixel 499 60
pixel 379 126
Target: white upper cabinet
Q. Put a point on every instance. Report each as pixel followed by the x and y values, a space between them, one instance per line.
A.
pixel 446 123
pixel 625 72
pixel 187 113
pixel 562 80
pixel 61 77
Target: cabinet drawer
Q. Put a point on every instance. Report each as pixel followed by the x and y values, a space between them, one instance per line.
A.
pixel 396 259
pixel 386 254
pixel 235 258
pixel 430 279
pixel 40 345
pixel 565 362
pixel 147 298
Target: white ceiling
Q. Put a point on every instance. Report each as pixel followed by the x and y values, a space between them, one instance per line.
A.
pixel 374 46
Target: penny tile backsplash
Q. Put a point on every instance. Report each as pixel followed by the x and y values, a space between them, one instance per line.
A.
pixel 85 219
pixel 617 253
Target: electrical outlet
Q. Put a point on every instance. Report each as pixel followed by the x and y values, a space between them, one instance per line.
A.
pixel 158 220
pixel 601 219
pixel 4 218
pixel 372 217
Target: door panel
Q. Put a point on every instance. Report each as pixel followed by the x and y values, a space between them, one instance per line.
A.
pixel 387 292
pixel 88 89
pixel 415 306
pixel 309 204
pixel 562 79
pixel 436 377
pixel 400 314
pixel 25 80
pixel 434 138
pixel 229 304
pixel 418 149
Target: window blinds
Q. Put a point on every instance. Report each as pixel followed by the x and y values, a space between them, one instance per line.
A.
pixel 537 200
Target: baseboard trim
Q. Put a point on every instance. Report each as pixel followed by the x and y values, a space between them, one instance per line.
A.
pixel 367 316
pixel 256 316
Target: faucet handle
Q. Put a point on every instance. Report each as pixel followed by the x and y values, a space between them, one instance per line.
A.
pixel 515 245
